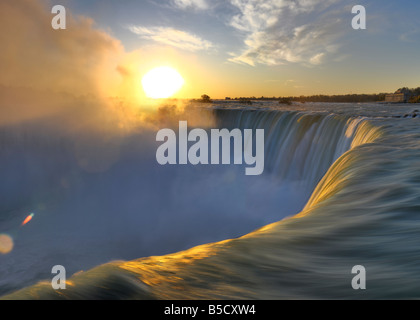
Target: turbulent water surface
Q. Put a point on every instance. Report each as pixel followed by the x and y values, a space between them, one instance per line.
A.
pixel 340 188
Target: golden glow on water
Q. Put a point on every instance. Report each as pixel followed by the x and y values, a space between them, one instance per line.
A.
pixel 166 269
pixel 180 274
pixel 339 173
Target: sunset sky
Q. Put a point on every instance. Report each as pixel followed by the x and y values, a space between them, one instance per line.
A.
pixel 248 47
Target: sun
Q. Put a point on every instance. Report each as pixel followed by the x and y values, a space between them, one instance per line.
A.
pixel 162 82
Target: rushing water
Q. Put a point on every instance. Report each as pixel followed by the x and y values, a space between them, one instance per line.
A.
pixel 341 188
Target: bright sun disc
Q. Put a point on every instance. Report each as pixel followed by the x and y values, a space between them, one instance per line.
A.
pixel 162 82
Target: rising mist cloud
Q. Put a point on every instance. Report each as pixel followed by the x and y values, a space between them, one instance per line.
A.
pixel 46 72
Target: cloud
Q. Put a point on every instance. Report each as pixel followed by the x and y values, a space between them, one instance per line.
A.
pixel 282 31
pixel 77 83
pixel 63 77
pixel 410 36
pixel 39 57
pixel 317 59
pixel 193 4
pixel 173 37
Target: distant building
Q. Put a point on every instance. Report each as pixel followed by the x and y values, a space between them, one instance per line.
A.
pixel 397 97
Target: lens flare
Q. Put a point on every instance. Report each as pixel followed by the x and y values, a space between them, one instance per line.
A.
pixel 27 219
pixel 6 244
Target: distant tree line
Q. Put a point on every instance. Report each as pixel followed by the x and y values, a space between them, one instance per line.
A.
pixel 318 98
pixel 342 98
pixel 413 96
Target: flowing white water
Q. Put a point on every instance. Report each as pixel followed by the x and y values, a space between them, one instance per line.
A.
pixel 360 213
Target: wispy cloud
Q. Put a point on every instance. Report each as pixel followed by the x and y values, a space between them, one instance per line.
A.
pixel 190 4
pixel 281 31
pixel 410 36
pixel 172 37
